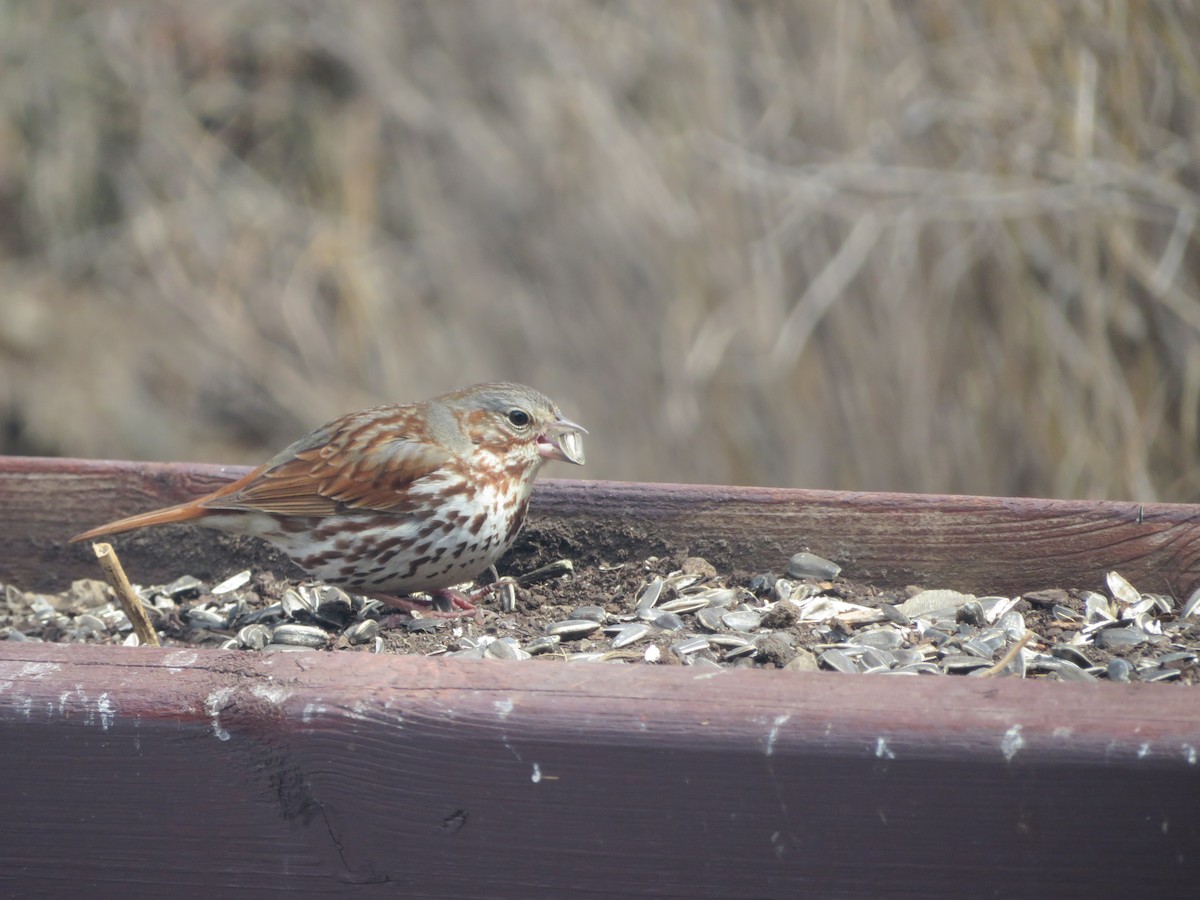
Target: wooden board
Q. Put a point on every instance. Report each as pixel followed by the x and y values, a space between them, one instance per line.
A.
pixel 180 772
pixel 185 773
pixel 979 544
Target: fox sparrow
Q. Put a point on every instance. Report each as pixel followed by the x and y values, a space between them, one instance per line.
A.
pixel 395 499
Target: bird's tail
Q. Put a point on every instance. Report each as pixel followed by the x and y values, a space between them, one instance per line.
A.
pixel 184 512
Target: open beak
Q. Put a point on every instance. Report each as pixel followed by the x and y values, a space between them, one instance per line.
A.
pixel 562 440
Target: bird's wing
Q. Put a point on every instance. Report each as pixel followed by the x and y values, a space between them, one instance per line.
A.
pixel 351 464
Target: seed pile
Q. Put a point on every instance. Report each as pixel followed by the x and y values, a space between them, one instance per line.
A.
pixel 668 611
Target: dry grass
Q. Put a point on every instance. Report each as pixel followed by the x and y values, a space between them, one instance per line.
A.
pixel 927 246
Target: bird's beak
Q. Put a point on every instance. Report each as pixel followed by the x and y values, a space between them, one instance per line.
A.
pixel 562 440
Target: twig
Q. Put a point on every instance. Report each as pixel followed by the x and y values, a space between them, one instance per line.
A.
pixel 1008 657
pixel 130 601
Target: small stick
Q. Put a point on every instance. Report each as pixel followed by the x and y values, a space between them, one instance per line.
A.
pixel 130 601
pixel 1008 657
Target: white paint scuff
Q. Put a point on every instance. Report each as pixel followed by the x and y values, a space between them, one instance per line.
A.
pixel 179 660
pixel 1012 742
pixel 107 710
pixel 774 732
pixel 214 703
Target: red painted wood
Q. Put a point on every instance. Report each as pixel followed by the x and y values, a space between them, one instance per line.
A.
pixel 177 772
pixel 981 544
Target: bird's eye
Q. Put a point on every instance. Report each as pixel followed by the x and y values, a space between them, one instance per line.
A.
pixel 518 417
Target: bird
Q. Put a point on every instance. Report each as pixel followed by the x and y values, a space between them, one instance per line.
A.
pixel 396 500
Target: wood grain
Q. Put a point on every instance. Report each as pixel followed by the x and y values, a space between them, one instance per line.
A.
pixel 979 544
pixel 181 773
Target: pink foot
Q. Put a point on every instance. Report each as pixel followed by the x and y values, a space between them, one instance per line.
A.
pixel 446 604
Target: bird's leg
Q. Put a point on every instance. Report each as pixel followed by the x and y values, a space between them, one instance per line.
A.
pixel 508 599
pixel 455 604
pixel 446 604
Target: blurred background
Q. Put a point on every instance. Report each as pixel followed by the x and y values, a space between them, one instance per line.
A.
pixel 922 246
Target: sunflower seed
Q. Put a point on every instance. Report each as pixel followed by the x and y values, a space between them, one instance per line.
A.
pixel 468 653
pixel 426 625
pixel 719 598
pixel 905 657
pixel 668 621
pixel 681 581
pixel 881 638
pixel 995 607
pixel 299 635
pixel 547 643
pixel 1187 655
pixel 809 565
pixel 571 629
pixel 362 632
pixel 87 624
pixel 803 661
pixel 505 648
pixel 1119 669
pixel 1112 638
pixel 685 604
pixel 976 647
pixel 923 668
pixel 1071 654
pixel 184 584
pixel 232 583
pixel 648 597
pixel 761 583
pixel 295 604
pixel 628 633
pixel 781 590
pixel 591 613
pixel 1162 601
pixel 728 640
pixel 992 638
pixel 1013 624
pixel 1068 671
pixel 873 659
pixel 838 661
pixel 1192 606
pixel 689 645
pixel 1067 614
pixel 508 596
pixel 1096 608
pixel 1121 590
pixel 547 572
pixel 925 602
pixel 267 613
pixel 333 607
pixel 205 618
pixel 710 618
pixel 742 620
pixel 254 637
pixel 962 662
